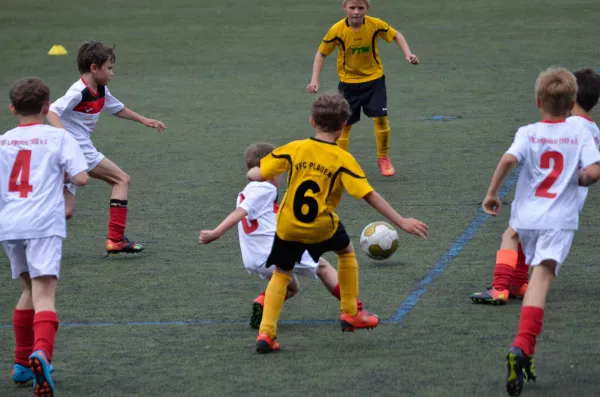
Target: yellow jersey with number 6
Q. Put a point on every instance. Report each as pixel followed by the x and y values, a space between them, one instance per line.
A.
pixel 318 174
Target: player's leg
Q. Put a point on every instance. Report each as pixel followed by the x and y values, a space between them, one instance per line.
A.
pixel 23 312
pixel 266 273
pixel 520 279
pixel 375 106
pixel 506 262
pixel 284 255
pixel 328 276
pixel 43 259
pixel 109 172
pixel 352 94
pixel 69 195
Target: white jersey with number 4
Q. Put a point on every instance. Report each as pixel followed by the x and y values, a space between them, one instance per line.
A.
pixel 591 126
pixel 551 154
pixel 257 230
pixel 33 159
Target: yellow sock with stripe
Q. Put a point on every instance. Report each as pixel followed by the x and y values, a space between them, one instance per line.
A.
pixel 348 279
pixel 344 140
pixel 274 298
pixel 382 136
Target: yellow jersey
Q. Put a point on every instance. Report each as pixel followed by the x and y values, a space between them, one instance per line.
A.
pixel 358 58
pixel 318 174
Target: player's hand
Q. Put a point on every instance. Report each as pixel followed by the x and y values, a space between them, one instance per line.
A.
pixel 412 59
pixel 208 236
pixel 415 227
pixel 313 87
pixel 491 205
pixel 159 125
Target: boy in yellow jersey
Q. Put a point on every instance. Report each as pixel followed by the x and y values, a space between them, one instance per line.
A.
pixel 359 67
pixel 318 173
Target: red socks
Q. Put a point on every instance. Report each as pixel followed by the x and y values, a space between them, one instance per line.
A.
pixel 521 274
pixel 336 293
pixel 530 326
pixel 23 330
pixel 117 220
pixel 45 325
pixel 506 261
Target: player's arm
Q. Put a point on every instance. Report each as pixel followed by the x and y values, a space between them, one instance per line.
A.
pixel 129 114
pixel 255 175
pixel 318 63
pixel 403 44
pixel 61 105
pixel 590 172
pixel 491 204
pixel 208 236
pixel 409 225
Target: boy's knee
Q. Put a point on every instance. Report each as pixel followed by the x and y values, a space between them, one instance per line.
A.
pixel 124 179
pixel 510 235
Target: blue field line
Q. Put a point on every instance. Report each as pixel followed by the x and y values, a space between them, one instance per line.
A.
pixel 411 300
pixel 405 307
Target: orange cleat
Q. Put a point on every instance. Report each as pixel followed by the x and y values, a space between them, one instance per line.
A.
pixel 385 166
pixel 491 296
pixel 362 319
pixel 266 344
pixel 517 292
pixel 125 246
pixel 257 311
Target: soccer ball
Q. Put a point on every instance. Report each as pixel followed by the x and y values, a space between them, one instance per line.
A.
pixel 379 240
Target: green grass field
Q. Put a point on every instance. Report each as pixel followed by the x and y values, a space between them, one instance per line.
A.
pixel 172 321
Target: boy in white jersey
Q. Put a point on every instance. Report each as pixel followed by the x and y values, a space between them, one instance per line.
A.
pixel 511 271
pixel 556 157
pixel 78 112
pixel 33 161
pixel 255 216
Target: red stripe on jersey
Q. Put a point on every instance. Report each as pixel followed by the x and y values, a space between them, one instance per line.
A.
pixel 88 87
pixel 552 121
pixel 28 124
pixel 588 119
pixel 90 107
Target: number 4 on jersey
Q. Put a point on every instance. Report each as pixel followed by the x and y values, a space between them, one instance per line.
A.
pixel 21 167
pixel 557 167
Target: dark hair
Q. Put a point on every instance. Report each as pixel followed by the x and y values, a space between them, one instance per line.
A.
pixel 94 52
pixel 255 152
pixel 588 88
pixel 330 111
pixel 28 96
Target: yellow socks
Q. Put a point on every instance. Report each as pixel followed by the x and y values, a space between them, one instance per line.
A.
pixel 382 135
pixel 274 298
pixel 348 279
pixel 344 140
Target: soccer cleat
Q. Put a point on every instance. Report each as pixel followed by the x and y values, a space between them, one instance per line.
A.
pixel 22 374
pixel 517 292
pixel 257 311
pixel 491 296
pixel 125 246
pixel 520 369
pixel 42 384
pixel 266 344
pixel 385 166
pixel 362 319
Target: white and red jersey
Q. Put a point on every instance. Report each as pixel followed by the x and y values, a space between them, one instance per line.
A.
pixel 33 159
pixel 257 230
pixel 591 126
pixel 79 109
pixel 551 154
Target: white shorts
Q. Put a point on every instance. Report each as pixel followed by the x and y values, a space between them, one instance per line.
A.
pixel 307 267
pixel 37 256
pixel 550 244
pixel 93 158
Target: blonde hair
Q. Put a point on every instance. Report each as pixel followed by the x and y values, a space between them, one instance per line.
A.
pixel 330 111
pixel 556 90
pixel 367 2
pixel 255 152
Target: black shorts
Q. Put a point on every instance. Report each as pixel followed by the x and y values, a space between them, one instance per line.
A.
pixel 370 96
pixel 285 254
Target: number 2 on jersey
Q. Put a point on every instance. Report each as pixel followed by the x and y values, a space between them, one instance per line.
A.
pixel 557 167
pixel 21 167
